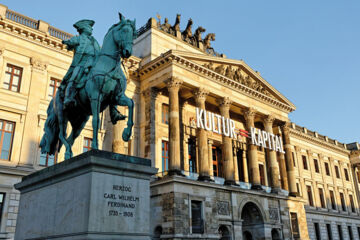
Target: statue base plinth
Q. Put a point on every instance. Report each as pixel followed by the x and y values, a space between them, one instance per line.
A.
pixel 96 195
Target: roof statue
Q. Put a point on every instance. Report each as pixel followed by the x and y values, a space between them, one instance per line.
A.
pixel 93 82
pixel 188 36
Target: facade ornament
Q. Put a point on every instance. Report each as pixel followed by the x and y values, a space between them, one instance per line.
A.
pixel 224 102
pixel 173 83
pixel 176 27
pixel 187 33
pixel 151 93
pixel 269 119
pixel 250 115
pixel 197 36
pixel 37 64
pixel 201 94
pixel 166 26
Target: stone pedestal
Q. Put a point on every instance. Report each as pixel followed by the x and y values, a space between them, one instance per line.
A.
pixel 96 195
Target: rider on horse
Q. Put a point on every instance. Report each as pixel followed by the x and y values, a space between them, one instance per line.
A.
pixel 86 50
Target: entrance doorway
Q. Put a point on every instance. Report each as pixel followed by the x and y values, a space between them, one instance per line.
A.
pixel 217 165
pixel 253 222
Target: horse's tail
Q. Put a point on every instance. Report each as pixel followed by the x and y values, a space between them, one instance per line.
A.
pixel 50 139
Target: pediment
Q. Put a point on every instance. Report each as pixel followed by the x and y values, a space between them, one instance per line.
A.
pixel 238 71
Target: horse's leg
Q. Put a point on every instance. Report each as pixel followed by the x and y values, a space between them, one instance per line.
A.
pixel 62 137
pixel 123 100
pixel 95 110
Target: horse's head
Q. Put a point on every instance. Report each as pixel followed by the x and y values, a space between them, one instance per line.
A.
pixel 124 34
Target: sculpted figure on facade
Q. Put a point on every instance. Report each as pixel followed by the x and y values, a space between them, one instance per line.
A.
pixel 187 33
pixel 176 27
pixel 166 26
pixel 207 43
pixel 197 36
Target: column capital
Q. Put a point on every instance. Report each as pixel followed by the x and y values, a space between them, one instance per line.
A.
pixel 200 94
pixel 309 152
pixel 151 92
pixel 250 115
pixel 210 141
pixel 174 83
pixel 269 119
pixel 285 127
pixel 297 149
pixel 224 102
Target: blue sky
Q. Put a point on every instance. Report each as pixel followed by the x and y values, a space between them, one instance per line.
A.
pixel 308 50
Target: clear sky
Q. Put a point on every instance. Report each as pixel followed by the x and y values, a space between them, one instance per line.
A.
pixel 308 50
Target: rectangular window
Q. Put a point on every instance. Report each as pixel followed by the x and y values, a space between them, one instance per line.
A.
pixel 343 206
pixel 47 160
pixel 293 156
pixel 327 169
pixel 196 217
pixel 304 160
pixel 322 199
pixel 358 229
pixel 2 201
pixel 352 203
pixel 165 155
pixel 262 174
pixel 192 155
pixel 54 84
pixel 6 138
pixel 340 232
pixel 346 174
pixel 316 165
pixel 309 193
pixel 337 172
pixel 317 231
pixel 12 78
pixel 294 226
pixel 329 233
pixel 216 157
pixel 165 114
pixel 351 237
pixel 332 198
pixel 87 144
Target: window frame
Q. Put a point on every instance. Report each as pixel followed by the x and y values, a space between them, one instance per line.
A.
pixel 332 199
pixel 337 171
pixel 310 196
pixel 88 147
pixel 55 87
pixel 2 203
pixel 165 114
pixel 47 159
pixel 2 133
pixel 305 163
pixel 202 228
pixel 322 198
pixel 165 158
pixel 10 84
pixel 316 165
pixel 327 169
pixel 346 173
pixel 343 202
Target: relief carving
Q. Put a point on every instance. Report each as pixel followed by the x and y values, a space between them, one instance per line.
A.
pixel 223 208
pixel 37 64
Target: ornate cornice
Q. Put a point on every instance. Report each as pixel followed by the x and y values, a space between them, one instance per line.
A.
pixel 313 140
pixel 169 57
pixel 34 36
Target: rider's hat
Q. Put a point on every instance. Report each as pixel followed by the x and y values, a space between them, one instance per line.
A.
pixel 79 25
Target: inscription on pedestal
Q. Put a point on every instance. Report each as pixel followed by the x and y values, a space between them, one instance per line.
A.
pixel 121 201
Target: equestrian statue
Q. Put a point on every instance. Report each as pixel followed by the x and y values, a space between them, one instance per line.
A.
pixel 94 81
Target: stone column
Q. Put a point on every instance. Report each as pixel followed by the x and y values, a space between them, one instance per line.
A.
pixel 203 151
pixel 252 152
pixel 211 170
pixel 235 161
pixel 283 173
pixel 173 85
pixel 227 149
pixel 274 168
pixel 289 162
pixel 245 166
pixel 30 141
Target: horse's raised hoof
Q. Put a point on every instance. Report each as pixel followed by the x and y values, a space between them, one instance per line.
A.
pixel 117 117
pixel 126 134
pixel 68 155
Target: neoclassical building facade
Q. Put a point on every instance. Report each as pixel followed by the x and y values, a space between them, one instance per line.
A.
pixel 231 165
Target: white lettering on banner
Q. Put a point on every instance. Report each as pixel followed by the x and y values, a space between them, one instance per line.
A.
pixel 222 125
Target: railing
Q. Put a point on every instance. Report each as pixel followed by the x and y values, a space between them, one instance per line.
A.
pixel 143 29
pixel 17 17
pixel 59 34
